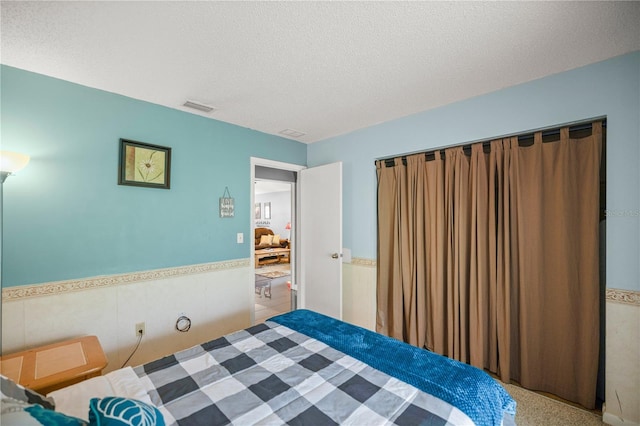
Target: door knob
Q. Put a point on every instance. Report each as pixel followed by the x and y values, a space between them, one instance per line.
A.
pixel 335 256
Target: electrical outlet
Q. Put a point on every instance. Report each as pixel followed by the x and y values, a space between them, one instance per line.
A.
pixel 140 329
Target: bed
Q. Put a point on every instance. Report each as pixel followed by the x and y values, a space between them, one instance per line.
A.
pixel 302 368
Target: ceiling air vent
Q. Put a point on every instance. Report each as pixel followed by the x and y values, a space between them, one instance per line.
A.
pixel 198 106
pixel 292 133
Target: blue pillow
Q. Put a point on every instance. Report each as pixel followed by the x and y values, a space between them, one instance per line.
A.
pixel 118 411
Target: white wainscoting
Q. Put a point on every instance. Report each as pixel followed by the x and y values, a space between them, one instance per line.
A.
pixel 359 293
pixel 622 372
pixel 217 297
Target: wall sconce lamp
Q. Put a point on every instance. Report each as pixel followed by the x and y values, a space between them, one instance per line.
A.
pixel 11 163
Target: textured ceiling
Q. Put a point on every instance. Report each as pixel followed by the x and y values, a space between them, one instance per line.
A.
pixel 321 68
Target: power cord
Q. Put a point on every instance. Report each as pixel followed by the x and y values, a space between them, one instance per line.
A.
pixel 135 349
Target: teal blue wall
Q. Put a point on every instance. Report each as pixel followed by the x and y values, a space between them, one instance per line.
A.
pixel 66 217
pixel 610 88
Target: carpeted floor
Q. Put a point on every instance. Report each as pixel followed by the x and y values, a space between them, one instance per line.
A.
pixel 539 410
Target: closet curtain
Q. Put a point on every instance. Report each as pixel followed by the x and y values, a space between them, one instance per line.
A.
pixel 492 258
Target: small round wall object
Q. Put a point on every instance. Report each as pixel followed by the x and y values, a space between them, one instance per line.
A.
pixel 183 324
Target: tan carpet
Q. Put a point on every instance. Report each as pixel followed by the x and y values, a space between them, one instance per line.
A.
pixel 538 410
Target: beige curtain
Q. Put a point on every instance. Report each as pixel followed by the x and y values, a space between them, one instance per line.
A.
pixel 492 258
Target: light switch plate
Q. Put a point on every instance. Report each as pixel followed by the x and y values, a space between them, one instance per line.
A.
pixel 240 238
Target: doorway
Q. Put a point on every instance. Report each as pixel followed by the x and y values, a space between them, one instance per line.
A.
pixel 269 180
pixel 273 243
pixel 315 237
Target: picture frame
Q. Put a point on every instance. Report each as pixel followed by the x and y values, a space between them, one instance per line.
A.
pixel 144 164
pixel 267 210
pixel 227 204
pixel 258 211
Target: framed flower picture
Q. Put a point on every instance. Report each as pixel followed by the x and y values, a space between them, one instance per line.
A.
pixel 143 164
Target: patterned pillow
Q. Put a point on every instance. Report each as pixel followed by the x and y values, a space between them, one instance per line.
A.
pixel 19 413
pixel 118 411
pixel 11 389
pixel 24 407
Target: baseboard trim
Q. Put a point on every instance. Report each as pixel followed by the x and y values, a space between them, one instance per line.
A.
pixel 613 420
pixel 67 286
pixel 626 297
pixel 361 261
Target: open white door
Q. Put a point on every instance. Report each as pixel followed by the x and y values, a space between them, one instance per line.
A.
pixel 320 228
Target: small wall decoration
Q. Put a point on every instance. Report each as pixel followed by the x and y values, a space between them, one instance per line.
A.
pixel 267 210
pixel 226 204
pixel 258 209
pixel 143 164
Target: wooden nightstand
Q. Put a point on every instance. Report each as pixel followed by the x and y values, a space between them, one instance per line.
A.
pixel 55 366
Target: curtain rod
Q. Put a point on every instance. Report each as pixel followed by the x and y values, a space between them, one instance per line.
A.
pixel 529 134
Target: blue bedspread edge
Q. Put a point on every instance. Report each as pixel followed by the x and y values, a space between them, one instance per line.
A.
pixel 469 389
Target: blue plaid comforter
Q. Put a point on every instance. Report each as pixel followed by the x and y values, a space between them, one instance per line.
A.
pixel 272 374
pixel 463 386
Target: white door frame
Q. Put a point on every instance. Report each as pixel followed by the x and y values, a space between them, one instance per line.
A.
pixel 256 161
